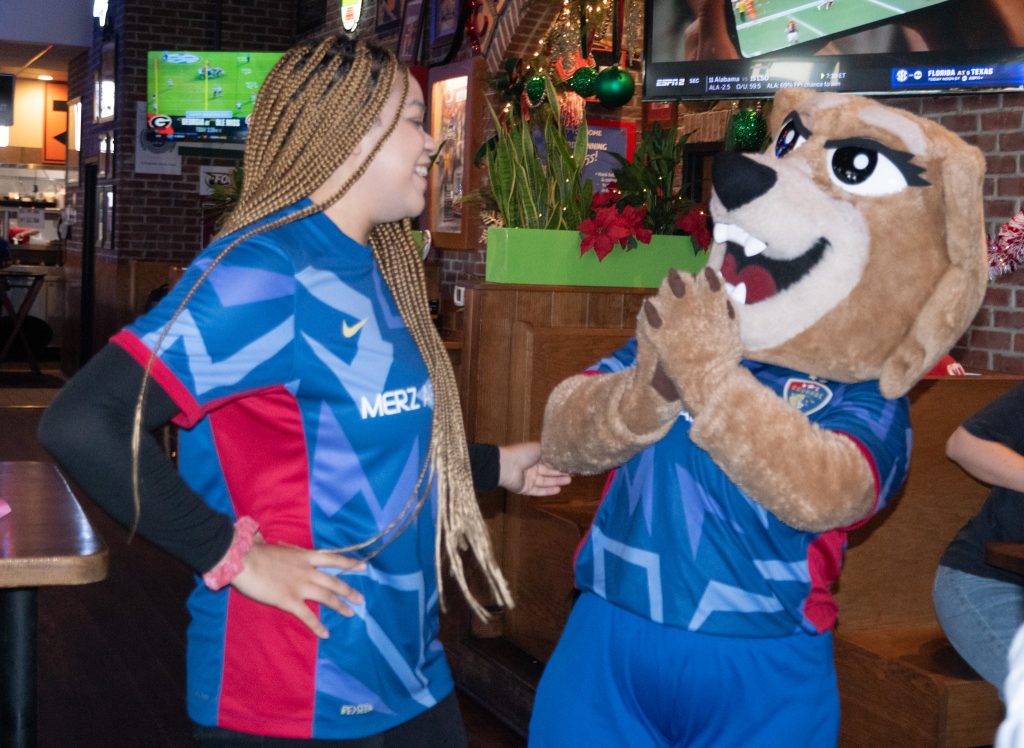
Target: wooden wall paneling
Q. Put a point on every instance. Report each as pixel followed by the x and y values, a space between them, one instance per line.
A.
pixel 490 372
pixel 540 544
pixel 534 306
pixel 631 308
pixel 539 551
pixel 468 322
pixel 521 383
pixel 569 309
pixel 605 310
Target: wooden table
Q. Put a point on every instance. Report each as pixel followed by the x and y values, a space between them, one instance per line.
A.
pixel 1008 556
pixel 32 282
pixel 45 540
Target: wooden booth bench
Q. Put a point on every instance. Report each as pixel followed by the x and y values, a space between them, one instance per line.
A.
pixel 900 682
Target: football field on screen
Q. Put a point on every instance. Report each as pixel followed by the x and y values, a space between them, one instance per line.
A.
pixel 181 82
pixel 767 30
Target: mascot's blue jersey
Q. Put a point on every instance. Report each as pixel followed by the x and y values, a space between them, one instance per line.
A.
pixel 677 542
pixel 306 405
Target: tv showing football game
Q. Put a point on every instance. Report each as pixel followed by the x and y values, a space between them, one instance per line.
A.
pixel 204 96
pixel 729 49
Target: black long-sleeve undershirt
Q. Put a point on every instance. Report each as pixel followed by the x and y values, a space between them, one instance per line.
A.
pixel 88 429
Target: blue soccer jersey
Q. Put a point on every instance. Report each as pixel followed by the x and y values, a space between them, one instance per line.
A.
pixel 305 404
pixel 676 541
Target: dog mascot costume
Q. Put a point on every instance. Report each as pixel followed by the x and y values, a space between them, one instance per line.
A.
pixel 757 416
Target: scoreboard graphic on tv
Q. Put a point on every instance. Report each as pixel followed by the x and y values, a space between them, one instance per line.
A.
pixel 752 48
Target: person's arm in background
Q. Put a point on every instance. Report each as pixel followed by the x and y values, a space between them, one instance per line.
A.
pixel 88 429
pixel 514 467
pixel 988 461
pixel 990 444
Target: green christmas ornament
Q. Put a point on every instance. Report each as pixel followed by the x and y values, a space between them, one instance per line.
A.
pixel 582 81
pixel 747 130
pixel 613 86
pixel 535 86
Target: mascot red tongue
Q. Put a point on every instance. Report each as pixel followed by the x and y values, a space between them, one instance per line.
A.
pixel 761 412
pixel 756 281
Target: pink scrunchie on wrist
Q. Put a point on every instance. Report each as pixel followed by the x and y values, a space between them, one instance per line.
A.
pixel 234 560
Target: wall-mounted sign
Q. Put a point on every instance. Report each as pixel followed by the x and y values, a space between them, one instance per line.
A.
pixel 30 218
pixel 350 10
pixel 153 156
pixel 212 176
pixel 605 137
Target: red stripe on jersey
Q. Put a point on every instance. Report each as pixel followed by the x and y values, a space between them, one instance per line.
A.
pixel 870 459
pixel 191 411
pixel 825 558
pixel 269 678
pixel 824 562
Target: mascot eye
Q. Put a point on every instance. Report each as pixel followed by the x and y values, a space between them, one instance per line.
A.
pixel 791 137
pixel 864 171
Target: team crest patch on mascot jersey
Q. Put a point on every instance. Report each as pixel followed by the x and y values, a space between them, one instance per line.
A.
pixel 806 395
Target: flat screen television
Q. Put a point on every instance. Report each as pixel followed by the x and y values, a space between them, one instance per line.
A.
pixel 739 49
pixel 203 96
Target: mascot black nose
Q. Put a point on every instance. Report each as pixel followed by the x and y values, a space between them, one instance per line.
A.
pixel 738 180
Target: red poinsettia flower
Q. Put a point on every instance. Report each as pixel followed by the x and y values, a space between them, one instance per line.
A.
pixel 610 196
pixel 602 232
pixel 634 217
pixel 695 223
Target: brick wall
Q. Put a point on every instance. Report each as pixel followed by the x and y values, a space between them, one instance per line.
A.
pixel 156 214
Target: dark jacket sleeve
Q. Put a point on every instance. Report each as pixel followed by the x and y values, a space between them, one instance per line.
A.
pixel 485 464
pixel 88 429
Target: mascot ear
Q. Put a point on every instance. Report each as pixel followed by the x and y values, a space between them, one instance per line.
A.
pixel 959 292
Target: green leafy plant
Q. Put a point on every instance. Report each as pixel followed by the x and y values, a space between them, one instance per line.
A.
pixel 649 179
pixel 534 192
pixel 643 200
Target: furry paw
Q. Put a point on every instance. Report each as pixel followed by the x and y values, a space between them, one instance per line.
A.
pixel 692 327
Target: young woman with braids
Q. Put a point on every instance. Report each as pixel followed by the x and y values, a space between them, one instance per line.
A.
pixel 323 463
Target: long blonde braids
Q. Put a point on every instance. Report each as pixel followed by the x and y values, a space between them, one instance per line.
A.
pixel 290 152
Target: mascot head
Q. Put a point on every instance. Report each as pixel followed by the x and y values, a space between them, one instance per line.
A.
pixel 855 245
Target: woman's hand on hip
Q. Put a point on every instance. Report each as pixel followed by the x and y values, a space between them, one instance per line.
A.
pixel 286 577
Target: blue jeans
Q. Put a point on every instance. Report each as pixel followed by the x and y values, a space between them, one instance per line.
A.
pixel 980 617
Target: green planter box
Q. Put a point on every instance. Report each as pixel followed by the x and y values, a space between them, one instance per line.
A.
pixel 552 258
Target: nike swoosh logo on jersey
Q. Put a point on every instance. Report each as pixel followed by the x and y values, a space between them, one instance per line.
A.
pixel 349 330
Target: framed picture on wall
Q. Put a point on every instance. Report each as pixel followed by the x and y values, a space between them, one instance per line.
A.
pixel 389 15
pixel 444 22
pixel 455 101
pixel 411 34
